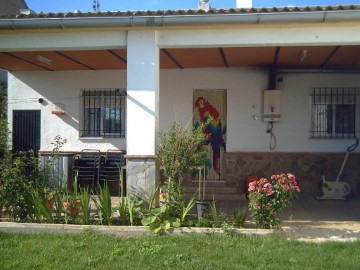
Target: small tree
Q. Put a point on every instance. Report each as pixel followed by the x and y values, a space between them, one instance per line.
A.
pixel 3 119
pixel 179 152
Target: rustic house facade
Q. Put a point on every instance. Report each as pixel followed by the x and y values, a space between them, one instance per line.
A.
pixel 283 83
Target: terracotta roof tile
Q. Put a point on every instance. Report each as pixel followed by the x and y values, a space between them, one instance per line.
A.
pixel 184 12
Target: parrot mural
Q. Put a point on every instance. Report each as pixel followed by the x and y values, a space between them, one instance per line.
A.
pixel 213 130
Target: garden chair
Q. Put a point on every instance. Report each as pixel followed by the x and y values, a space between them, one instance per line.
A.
pixel 111 170
pixel 87 167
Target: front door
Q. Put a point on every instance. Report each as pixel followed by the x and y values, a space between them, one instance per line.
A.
pixel 210 107
pixel 26 130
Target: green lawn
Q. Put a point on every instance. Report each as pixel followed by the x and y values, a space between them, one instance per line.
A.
pixel 96 251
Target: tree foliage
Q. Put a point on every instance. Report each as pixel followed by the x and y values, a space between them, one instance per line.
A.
pixel 181 151
pixel 3 118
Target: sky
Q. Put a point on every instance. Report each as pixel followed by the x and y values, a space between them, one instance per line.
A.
pixel 126 5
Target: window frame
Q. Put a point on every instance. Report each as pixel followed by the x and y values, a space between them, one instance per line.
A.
pixel 99 100
pixel 325 103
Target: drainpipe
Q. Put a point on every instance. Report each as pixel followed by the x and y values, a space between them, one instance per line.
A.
pixel 181 20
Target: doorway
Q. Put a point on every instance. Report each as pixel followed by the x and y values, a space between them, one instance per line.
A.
pixel 26 130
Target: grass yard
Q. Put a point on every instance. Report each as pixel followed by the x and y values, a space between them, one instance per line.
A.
pixel 91 250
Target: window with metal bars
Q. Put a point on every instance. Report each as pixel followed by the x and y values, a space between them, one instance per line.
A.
pixel 334 112
pixel 103 112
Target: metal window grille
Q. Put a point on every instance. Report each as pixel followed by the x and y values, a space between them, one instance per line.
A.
pixel 334 112
pixel 103 112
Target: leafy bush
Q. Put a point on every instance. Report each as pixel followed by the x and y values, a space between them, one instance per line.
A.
pixel 39 209
pixel 129 210
pixel 85 205
pixel 4 132
pixel 158 221
pixel 269 197
pixel 239 218
pixel 59 205
pixel 20 174
pixel 180 151
pixel 104 205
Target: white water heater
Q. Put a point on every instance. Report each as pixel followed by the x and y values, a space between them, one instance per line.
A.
pixel 272 106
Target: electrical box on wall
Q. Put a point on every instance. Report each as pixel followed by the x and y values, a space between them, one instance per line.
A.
pixel 272 105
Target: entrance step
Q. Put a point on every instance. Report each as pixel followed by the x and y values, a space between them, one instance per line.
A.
pixel 216 190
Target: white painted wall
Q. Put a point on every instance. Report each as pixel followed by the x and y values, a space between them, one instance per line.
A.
pixel 244 92
pixel 63 87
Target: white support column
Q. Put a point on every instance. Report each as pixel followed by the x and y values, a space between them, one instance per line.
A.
pixel 142 111
pixel 142 91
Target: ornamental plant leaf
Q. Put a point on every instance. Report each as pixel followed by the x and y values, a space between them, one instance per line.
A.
pixel 155 227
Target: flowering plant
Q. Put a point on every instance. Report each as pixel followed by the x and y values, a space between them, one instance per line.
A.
pixel 269 197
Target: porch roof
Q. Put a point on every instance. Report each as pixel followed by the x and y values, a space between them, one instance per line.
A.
pixel 325 57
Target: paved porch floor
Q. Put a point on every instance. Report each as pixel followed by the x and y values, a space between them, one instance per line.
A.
pixel 308 219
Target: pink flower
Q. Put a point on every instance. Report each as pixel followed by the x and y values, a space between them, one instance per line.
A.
pixel 252 186
pixel 292 177
pixel 267 207
pixel 267 185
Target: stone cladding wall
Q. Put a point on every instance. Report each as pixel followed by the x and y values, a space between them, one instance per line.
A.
pixel 307 167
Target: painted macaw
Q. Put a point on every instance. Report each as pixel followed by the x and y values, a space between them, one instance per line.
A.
pixel 213 129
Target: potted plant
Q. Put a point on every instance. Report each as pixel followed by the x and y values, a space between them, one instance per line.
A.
pixel 72 203
pixel 49 198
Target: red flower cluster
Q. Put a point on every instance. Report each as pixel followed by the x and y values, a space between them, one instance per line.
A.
pixel 261 185
pixel 286 181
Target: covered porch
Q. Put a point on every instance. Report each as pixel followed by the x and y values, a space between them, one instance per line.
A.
pixel 161 65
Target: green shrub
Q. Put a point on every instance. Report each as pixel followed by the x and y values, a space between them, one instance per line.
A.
pixel 179 152
pixel 85 205
pixel 239 218
pixel 269 197
pixel 103 205
pixel 59 205
pixel 4 132
pixel 39 209
pixel 20 174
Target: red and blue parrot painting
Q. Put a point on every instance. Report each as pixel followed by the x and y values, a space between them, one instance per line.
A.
pixel 214 129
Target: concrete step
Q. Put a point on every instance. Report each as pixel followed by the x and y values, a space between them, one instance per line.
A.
pixel 219 196
pixel 213 189
pixel 209 183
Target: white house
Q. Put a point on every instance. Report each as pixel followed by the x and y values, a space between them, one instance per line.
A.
pixel 113 80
